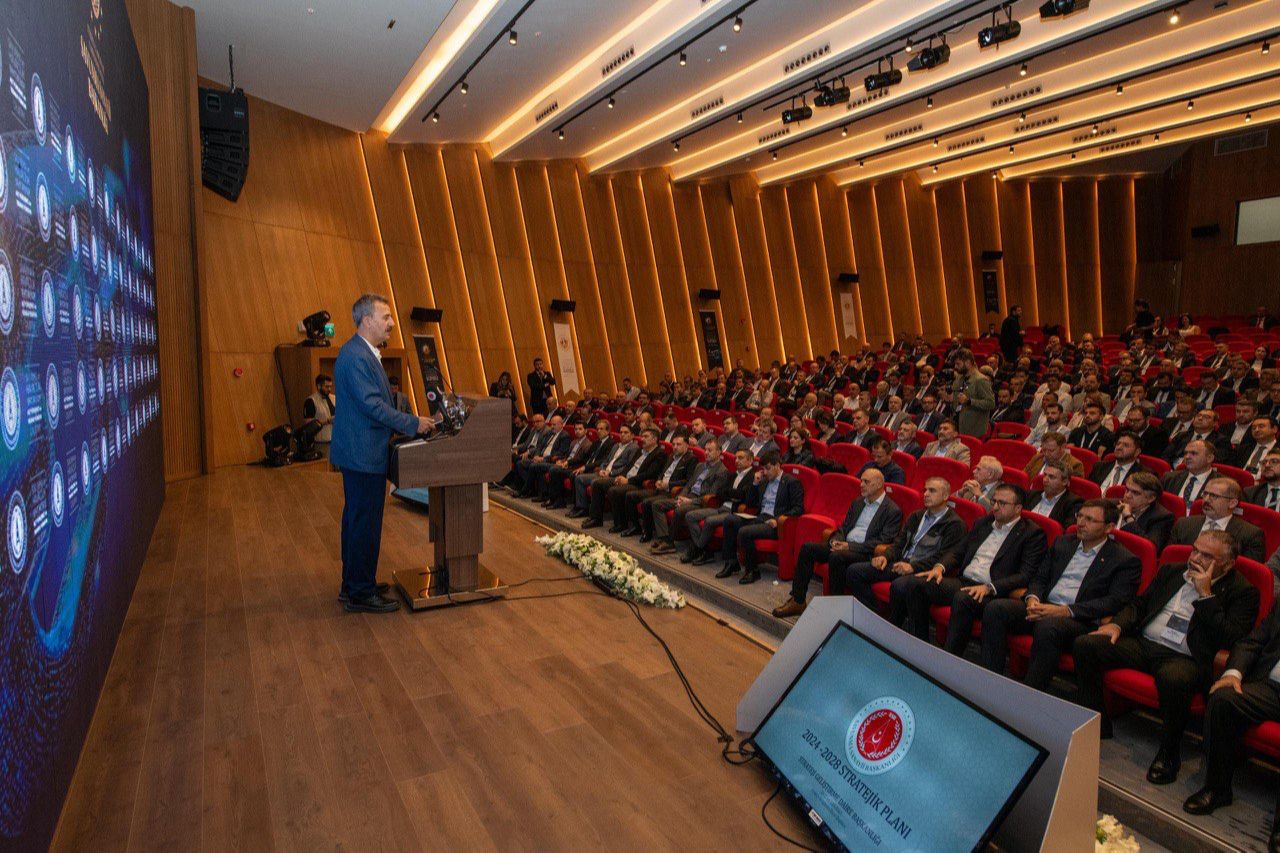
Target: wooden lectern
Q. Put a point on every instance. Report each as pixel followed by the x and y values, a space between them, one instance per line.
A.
pixel 454 469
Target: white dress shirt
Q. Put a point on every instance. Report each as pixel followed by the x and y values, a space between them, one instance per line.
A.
pixel 979 568
pixel 858 533
pixel 1046 505
pixel 1069 583
pixel 1178 612
pixel 377 353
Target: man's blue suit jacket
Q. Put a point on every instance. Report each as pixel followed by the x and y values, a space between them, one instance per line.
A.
pixel 365 417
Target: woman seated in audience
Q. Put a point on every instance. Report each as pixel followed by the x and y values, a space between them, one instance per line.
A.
pixel 798 452
pixel 1261 359
pixel 826 426
pixel 796 424
pixel 502 386
pixel 1187 326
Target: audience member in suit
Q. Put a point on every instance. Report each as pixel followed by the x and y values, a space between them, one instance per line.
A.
pixel 1221 496
pixel 699 435
pixel 1092 434
pixel 931 537
pixel 1051 419
pixel 630 510
pixel 776 498
pixel 1141 512
pixel 981 487
pixel 1212 392
pixel 763 441
pixel 1266 493
pixel 893 416
pixel 648 464
pixel 671 427
pixel 1085 576
pixel 552 447
pixel 540 384
pixel 1237 436
pixel 579 449
pixel 882 460
pixel 731 439
pixel 993 559
pixel 1241 379
pixel 1173 631
pixel 1219 360
pixel 971 391
pixel 1248 693
pixel 798 450
pixel 530 445
pixel 1189 482
pixel 709 480
pixel 600 450
pixel 1113 471
pixel 873 519
pixel 605 470
pixel 1011 333
pixel 1263 441
pixel 1006 410
pixel 948 443
pixel 907 441
pixel 1053 501
pixel 1053 448
pixel 702 522
pixel 862 434
pixel 930 417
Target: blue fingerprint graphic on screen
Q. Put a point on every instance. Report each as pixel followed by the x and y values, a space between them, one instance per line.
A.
pixel 81 467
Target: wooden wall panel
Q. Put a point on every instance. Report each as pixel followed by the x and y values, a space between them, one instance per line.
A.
pixel 899 264
pixel 982 214
pixel 642 274
pixel 749 222
pixel 957 266
pixel 1118 250
pixel 1084 281
pixel 699 267
pixel 837 241
pixel 480 266
pixel 926 252
pixel 166 39
pixel 664 238
pixel 1019 250
pixel 611 272
pixel 816 281
pixel 1050 251
pixel 786 272
pixel 439 236
pixel 872 282
pixel 735 308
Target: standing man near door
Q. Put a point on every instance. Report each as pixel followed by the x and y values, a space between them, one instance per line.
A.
pixel 540 384
pixel 364 422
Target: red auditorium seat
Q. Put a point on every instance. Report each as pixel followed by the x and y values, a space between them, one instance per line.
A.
pixel 1087 457
pixel 1009 430
pixel 1017 477
pixel 819 448
pixel 835 494
pixel 1241 476
pixel 970 511
pixel 851 456
pixel 1052 529
pixel 907 499
pixel 977 447
pixel 906 462
pixel 1266 519
pixel 1011 453
pixel 953 470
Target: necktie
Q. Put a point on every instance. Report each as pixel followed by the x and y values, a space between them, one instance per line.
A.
pixel 1115 477
pixel 925 523
pixel 1273 498
pixel 1189 489
pixel 1254 460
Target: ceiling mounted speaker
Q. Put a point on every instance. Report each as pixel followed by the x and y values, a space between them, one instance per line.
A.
pixel 1201 232
pixel 224 141
pixel 565 305
pixel 992 255
pixel 426 315
pixel 708 293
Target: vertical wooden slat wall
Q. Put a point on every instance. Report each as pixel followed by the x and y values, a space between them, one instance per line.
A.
pixel 896 254
pixel 699 268
pixel 642 274
pixel 735 307
pixel 982 212
pixel 749 224
pixel 957 268
pixel 816 283
pixel 1080 241
pixel 781 252
pixel 1049 252
pixel 668 259
pixel 926 254
pixel 1019 264
pixel 837 241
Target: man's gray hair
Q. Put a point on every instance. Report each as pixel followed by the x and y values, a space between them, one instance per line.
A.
pixel 363 307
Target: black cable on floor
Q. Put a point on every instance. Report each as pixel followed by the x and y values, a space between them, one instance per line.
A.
pixel 765 817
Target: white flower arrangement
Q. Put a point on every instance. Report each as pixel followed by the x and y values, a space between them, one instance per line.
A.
pixel 619 571
pixel 1110 838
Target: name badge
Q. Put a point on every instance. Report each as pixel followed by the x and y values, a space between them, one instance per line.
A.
pixel 1175 631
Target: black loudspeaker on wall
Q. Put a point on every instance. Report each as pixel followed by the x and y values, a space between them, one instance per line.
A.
pixel 224 141
pixel 989 255
pixel 708 293
pixel 426 315
pixel 565 305
pixel 1200 232
pixel 848 278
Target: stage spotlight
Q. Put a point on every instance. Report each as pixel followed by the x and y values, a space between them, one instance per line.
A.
pixel 1248 117
pixel 844 131
pixel 883 79
pixel 1191 105
pixel 928 103
pixel 737 24
pixel 276 444
pixel 513 37
pixel 317 329
pixel 464 88
pixel 1120 89
pixel 1022 72
pixel 435 118
pixel 997 33
pixel 828 96
pixel 675 146
pixel 1175 16
pixel 775 154
pixel 739 118
pixel 1022 118
pixel 684 60
pixel 1093 131
pixel 800 113
pixel 1266 48
pixel 1157 137
pixel 304 443
pixel 560 133
pixel 935 142
pixel 909 46
pixel 930 57
pixel 611 102
pixel 862 164
pixel 1061 8
pixel 935 168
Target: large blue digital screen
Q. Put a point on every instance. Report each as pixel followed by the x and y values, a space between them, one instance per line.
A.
pixel 80 450
pixel 885 758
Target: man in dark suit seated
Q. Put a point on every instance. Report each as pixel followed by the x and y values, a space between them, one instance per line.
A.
pixel 931 536
pixel 554 445
pixel 1085 576
pixel 1266 493
pixel 537 484
pixel 1187 483
pixel 1212 392
pixel 645 465
pixel 1248 693
pixel 1052 500
pixel 1114 471
pixel 671 427
pixel 862 434
pixel 776 497
pixel 615 461
pixel 709 480
pixel 1152 439
pixel 1262 440
pixel 1203 427
pixel 1172 631
pixel 1006 410
pixel 703 521
pixel 596 453
pixel 630 510
pixel 882 460
pixel 907 441
pixel 1141 512
pixel 1092 434
pixel 873 519
pixel 991 565
pixel 1221 496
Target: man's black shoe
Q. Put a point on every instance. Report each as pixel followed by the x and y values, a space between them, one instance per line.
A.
pixel 645 537
pixel 703 558
pixel 378 588
pixel 629 532
pixel 591 523
pixel 575 513
pixel 1205 801
pixel 1163 770
pixel 371 604
pixel 750 577
pixel 616 528
pixel 690 555
pixel 730 569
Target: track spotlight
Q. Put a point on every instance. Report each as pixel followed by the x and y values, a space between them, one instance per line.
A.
pixel 513 37
pixel 844 131
pixel 1157 137
pixel 795 114
pixel 862 164
pixel 739 118
pixel 684 60
pixel 1061 8
pixel 775 154
pixel 1191 105
pixel 1010 149
pixel 1073 155
pixel 1266 48
pixel 935 168
pixel 829 96
pixel 737 24
pixel 560 133
pixel 928 103
pixel 909 46
pixel 1248 117
pixel 1174 16
pixel 1120 89
pixel 611 103
pixel 883 79
pixel 464 88
pixel 997 33
pixel 1022 72
pixel 675 145
pixel 930 57
pixel 435 117
pixel 935 142
pixel 1022 118
pixel 1093 131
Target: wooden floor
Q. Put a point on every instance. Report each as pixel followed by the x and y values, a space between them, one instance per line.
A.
pixel 245 710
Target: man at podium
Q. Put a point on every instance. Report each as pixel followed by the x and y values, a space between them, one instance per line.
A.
pixel 365 419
